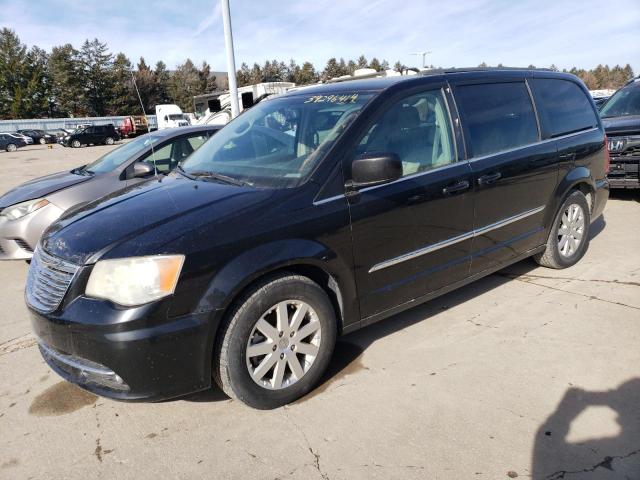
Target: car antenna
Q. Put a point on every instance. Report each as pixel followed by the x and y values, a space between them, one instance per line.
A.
pixel 153 153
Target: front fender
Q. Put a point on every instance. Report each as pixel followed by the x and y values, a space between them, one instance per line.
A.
pixel 244 269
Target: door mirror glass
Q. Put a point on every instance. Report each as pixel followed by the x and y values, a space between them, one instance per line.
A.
pixel 142 170
pixel 375 168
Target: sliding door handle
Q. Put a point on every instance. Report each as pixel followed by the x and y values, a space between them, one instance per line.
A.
pixel 489 178
pixel 456 187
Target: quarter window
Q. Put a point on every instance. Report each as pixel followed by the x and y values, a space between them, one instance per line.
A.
pixel 563 106
pixel 497 116
pixel 417 129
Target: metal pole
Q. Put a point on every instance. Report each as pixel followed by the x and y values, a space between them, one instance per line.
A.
pixel 231 62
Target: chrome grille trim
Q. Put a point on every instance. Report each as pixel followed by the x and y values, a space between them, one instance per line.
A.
pixel 48 281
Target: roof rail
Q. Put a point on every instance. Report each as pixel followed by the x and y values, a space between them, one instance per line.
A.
pixel 432 71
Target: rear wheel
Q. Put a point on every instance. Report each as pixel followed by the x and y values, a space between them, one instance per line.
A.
pixel 276 343
pixel 569 237
pixel 12 147
pixel 42 141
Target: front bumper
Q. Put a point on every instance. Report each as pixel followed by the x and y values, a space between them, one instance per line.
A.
pixel 131 354
pixel 18 238
pixel 624 173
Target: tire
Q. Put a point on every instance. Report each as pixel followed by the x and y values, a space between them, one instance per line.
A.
pixel 561 251
pixel 12 147
pixel 42 141
pixel 233 364
pixel 76 144
pixel 108 141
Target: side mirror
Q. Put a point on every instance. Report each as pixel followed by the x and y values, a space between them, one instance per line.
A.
pixel 142 169
pixel 375 169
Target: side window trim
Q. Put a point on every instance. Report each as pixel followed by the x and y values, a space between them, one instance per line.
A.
pixel 535 109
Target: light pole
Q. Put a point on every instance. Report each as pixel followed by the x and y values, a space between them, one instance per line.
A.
pixel 231 61
pixel 424 55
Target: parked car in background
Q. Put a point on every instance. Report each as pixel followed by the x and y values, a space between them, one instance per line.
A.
pixel 27 210
pixel 10 142
pixel 92 135
pixel 311 215
pixel 621 120
pixel 58 134
pixel 38 136
pixel 26 139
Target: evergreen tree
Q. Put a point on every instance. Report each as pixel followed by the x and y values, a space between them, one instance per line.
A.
pixel 123 96
pixel 96 64
pixel 12 74
pixel 185 84
pixel 243 76
pixel 37 85
pixel 163 80
pixel 65 73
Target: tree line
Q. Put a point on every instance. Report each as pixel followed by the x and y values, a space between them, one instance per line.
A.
pixel 92 81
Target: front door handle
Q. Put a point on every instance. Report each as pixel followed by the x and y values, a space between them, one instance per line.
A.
pixel 489 178
pixel 456 187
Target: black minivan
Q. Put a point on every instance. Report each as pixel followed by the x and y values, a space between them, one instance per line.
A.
pixel 309 216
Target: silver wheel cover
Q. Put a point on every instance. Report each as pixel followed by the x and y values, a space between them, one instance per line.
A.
pixel 283 344
pixel 571 230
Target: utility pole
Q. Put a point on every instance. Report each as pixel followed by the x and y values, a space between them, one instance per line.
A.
pixel 424 55
pixel 231 61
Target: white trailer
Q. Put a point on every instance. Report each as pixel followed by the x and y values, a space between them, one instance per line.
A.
pixel 215 108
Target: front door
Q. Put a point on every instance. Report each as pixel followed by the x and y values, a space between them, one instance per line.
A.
pixel 411 236
pixel 514 174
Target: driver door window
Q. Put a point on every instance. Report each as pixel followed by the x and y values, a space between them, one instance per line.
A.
pixel 417 129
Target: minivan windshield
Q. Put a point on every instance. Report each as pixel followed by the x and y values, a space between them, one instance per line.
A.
pixel 115 158
pixel 277 143
pixel 625 101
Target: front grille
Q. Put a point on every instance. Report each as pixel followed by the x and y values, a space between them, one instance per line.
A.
pixel 48 281
pixel 23 245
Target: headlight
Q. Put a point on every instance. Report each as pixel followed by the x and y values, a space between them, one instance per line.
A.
pixel 136 280
pixel 19 210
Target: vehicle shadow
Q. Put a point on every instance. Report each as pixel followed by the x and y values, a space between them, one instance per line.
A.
pixel 349 348
pixel 632 195
pixel 617 456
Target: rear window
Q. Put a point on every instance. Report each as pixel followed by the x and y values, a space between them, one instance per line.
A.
pixel 497 116
pixel 563 106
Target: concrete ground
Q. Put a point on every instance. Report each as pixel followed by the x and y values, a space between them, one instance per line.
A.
pixel 527 373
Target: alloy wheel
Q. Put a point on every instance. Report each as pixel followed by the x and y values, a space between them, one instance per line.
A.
pixel 571 230
pixel 11 148
pixel 283 344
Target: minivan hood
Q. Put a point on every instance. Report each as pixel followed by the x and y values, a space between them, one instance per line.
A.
pixel 159 210
pixel 628 124
pixel 41 187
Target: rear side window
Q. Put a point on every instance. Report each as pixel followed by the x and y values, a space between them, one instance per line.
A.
pixel 497 116
pixel 563 106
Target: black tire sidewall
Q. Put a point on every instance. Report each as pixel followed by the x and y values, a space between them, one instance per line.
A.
pixel 241 382
pixel 580 199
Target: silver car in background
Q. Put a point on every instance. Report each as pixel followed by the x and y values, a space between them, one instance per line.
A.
pixel 27 210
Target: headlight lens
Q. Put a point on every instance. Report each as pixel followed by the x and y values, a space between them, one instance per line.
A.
pixel 136 280
pixel 19 210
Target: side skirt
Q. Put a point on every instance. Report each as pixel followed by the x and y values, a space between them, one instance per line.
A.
pixel 430 296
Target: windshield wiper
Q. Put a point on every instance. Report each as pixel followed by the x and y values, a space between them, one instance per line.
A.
pixel 205 174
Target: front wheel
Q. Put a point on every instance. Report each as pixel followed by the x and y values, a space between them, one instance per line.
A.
pixel 76 144
pixel 276 343
pixel 42 141
pixel 12 147
pixel 569 236
pixel 109 141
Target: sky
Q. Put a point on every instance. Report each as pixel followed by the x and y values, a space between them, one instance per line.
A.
pixel 459 33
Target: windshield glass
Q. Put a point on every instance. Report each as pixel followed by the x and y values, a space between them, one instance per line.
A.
pixel 278 142
pixel 115 158
pixel 625 101
pixel 176 116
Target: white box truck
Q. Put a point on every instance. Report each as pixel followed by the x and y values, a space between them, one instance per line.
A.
pixel 170 116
